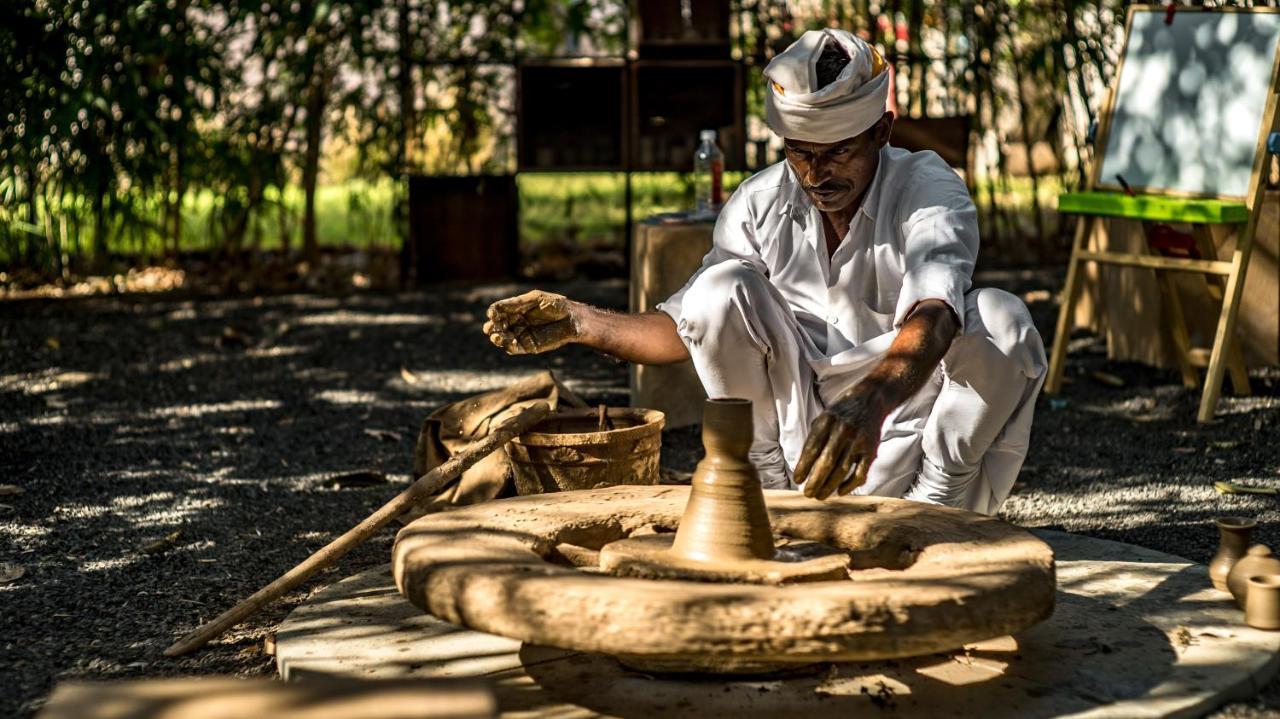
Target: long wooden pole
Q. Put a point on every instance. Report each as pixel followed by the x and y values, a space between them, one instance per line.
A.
pixel 425 486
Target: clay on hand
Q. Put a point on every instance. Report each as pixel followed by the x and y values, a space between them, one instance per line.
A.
pixel 532 323
pixel 841 445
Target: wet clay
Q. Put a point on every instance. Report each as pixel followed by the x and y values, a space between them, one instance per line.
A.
pixel 724 534
pixel 925 579
pixel 725 519
pixel 569 451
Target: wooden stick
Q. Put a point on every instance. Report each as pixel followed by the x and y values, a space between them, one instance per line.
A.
pixel 423 487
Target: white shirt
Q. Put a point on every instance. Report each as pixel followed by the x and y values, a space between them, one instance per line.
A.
pixel 914 238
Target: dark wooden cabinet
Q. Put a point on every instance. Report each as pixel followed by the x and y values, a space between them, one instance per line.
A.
pixel 572 115
pixel 674 100
pixel 681 29
pixel 461 228
pixel 643 115
pixel 634 113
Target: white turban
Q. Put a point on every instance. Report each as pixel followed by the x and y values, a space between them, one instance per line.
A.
pixel 796 108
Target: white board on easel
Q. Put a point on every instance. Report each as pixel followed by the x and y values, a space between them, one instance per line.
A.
pixel 1190 99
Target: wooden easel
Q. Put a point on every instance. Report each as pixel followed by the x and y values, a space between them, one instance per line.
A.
pixel 1225 278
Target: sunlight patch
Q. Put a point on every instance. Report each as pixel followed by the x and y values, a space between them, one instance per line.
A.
pixel 99 565
pixel 347 317
pixel 199 410
pixel 140 500
pixel 279 351
pixel 48 380
pixel 347 396
pixel 458 380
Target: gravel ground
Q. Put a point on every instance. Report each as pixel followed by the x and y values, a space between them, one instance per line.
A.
pixel 174 454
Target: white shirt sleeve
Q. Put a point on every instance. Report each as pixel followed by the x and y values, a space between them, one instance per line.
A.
pixel 939 226
pixel 732 239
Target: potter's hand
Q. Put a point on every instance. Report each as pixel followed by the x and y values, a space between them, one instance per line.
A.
pixel 842 443
pixel 532 323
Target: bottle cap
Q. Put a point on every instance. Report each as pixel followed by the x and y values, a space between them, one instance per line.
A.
pixel 707 136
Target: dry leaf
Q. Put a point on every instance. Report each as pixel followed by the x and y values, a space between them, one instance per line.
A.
pixel 10 572
pixel 1107 378
pixel 165 542
pixel 52 343
pixel 384 434
pixel 408 376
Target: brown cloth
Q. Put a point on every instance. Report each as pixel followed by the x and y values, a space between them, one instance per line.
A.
pixel 453 426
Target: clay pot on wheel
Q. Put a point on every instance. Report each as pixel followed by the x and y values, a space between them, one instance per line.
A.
pixel 1233 540
pixel 1256 562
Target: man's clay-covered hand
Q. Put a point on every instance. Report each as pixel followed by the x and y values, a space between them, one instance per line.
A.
pixel 532 323
pixel 842 444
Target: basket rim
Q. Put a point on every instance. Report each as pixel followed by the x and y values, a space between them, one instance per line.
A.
pixel 652 422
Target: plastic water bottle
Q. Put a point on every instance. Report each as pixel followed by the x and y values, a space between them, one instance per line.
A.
pixel 708 174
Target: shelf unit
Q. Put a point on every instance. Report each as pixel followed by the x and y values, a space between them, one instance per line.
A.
pixel 640 112
pixel 572 115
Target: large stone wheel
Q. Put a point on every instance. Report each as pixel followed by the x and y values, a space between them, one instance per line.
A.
pixel 924 579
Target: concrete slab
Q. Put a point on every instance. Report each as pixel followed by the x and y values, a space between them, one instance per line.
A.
pixel 1136 633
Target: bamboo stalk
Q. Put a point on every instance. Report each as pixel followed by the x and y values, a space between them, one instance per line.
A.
pixel 423 487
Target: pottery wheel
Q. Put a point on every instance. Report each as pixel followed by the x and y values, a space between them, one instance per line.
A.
pixel 920 579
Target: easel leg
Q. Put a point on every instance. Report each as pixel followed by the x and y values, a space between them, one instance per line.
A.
pixel 1217 289
pixel 1062 335
pixel 1224 335
pixel 1176 323
pixel 1237 371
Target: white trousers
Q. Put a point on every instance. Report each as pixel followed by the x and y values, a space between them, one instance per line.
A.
pixel 959 441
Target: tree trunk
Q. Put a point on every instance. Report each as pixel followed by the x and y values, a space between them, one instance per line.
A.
pixel 404 84
pixel 286 231
pixel 316 101
pixel 1027 140
pixel 404 148
pixel 100 228
pixel 177 191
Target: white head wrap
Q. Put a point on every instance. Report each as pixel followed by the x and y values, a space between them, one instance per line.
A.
pixel 796 108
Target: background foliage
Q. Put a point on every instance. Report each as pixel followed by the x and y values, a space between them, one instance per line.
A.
pixel 155 128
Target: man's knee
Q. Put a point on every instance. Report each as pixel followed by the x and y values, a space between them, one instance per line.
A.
pixel 719 293
pixel 1001 321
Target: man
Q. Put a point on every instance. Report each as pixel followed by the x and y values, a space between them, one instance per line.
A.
pixel 837 298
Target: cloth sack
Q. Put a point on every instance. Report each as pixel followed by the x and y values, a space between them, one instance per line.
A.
pixel 453 426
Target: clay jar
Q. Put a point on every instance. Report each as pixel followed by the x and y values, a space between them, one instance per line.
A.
pixel 1256 562
pixel 1233 540
pixel 1263 608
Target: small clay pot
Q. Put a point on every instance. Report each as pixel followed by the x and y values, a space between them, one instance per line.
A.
pixel 1233 540
pixel 1262 611
pixel 1256 562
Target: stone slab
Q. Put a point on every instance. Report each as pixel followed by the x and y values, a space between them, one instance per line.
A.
pixel 228 698
pixel 1136 633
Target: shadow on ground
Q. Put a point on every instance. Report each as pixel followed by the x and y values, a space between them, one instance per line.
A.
pixel 176 453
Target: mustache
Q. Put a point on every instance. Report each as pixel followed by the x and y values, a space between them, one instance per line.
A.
pixel 824 188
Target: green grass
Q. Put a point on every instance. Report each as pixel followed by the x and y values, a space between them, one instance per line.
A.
pixel 591 207
pixel 586 209
pixel 355 213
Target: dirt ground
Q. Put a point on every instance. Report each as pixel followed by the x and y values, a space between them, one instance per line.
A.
pixel 168 455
